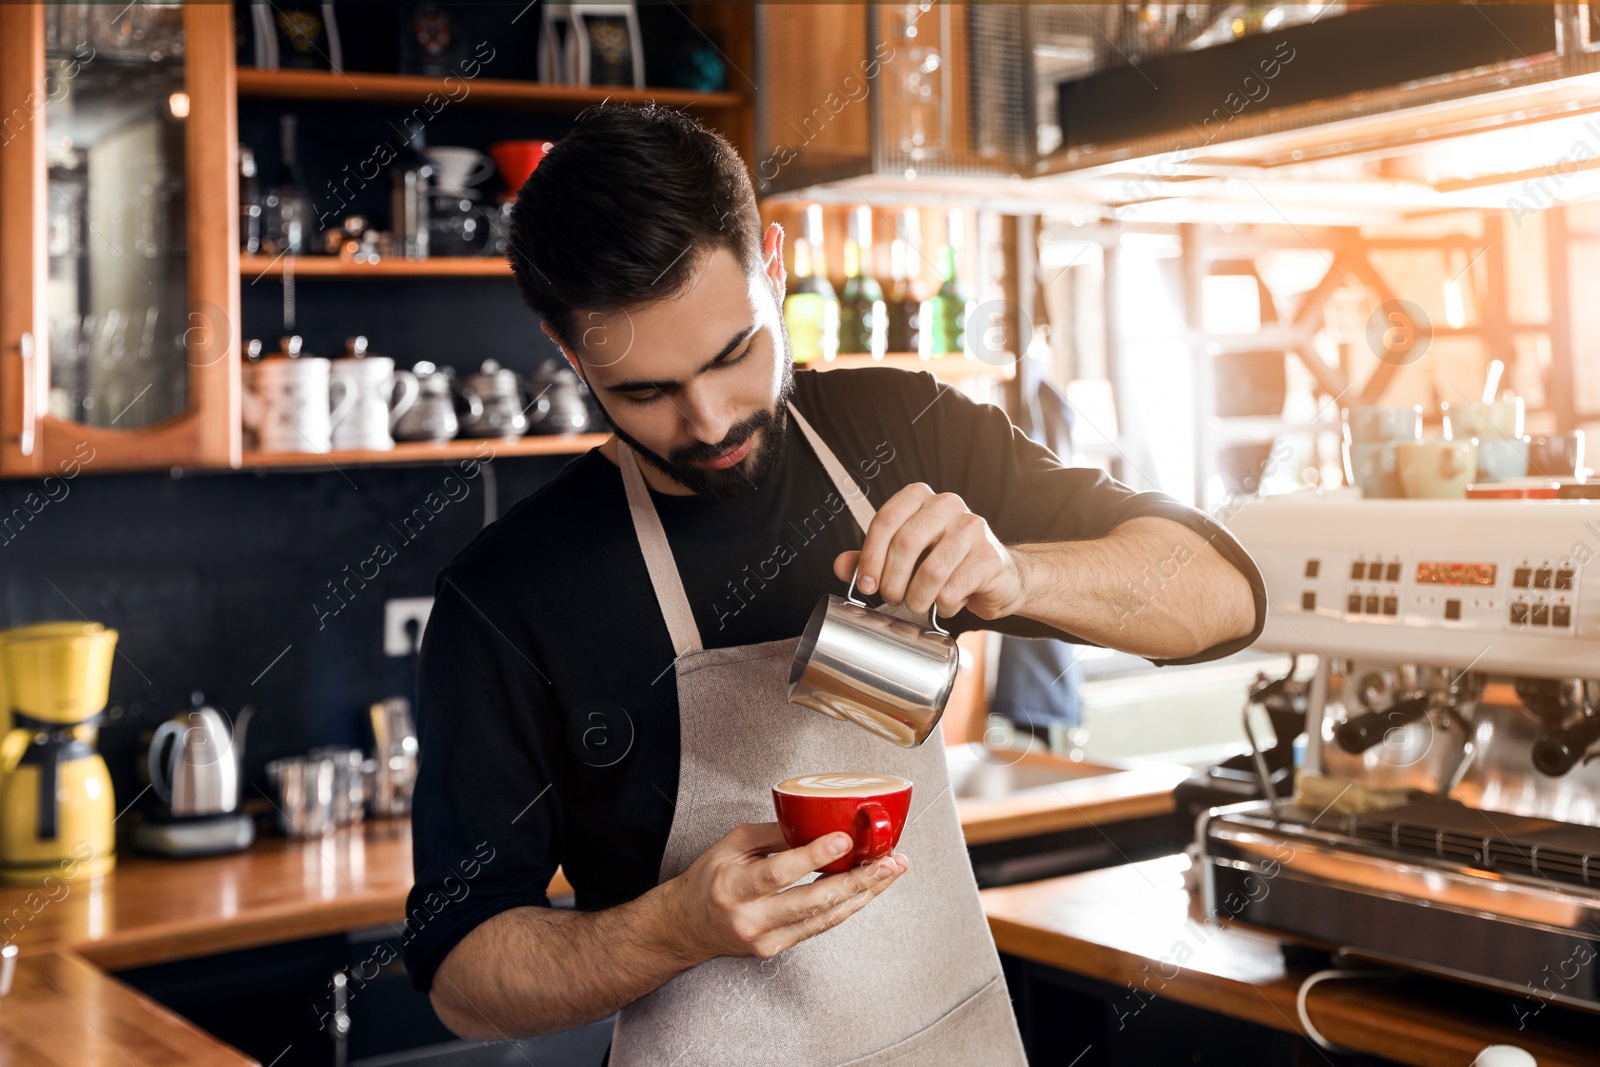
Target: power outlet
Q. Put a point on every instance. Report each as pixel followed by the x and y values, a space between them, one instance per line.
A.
pixel 397 613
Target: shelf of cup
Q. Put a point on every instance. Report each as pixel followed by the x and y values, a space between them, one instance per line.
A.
pixel 481 92
pixel 479 448
pixel 947 368
pixel 251 267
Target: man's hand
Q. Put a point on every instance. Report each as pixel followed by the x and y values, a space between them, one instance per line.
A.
pixel 728 902
pixel 962 563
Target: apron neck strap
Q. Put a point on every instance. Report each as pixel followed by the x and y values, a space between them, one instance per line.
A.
pixel 664 576
pixel 853 494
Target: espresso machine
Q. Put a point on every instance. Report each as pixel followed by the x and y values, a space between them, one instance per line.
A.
pixel 1445 816
pixel 56 805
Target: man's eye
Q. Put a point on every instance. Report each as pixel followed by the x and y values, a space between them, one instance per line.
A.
pixel 736 359
pixel 651 398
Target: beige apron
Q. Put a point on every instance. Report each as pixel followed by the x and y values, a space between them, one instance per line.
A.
pixel 913 978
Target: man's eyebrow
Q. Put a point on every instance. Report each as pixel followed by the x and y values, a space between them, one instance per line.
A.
pixel 727 349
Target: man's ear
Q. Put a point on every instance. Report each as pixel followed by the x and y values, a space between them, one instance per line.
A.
pixel 772 260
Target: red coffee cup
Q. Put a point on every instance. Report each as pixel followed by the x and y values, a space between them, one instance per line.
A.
pixel 871 808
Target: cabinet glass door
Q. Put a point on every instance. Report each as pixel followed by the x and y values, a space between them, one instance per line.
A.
pixel 117 295
pixel 119 269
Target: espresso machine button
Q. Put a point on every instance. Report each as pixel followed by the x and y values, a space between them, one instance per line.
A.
pixel 1541 614
pixel 1392 573
pixel 1519 613
pixel 1560 615
pixel 1564 579
pixel 1452 609
pixel 1522 577
pixel 1543 577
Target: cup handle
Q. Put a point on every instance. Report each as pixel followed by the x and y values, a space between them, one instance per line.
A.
pixel 873 832
pixel 899 611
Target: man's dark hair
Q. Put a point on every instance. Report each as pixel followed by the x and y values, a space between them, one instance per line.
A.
pixel 623 210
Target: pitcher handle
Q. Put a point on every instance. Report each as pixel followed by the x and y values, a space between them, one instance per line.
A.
pixel 899 611
pixel 342 406
pixel 410 389
pixel 158 774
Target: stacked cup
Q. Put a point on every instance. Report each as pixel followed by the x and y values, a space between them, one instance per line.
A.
pixel 1372 436
pixel 1497 430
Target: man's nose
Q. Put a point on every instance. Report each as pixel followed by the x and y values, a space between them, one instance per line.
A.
pixel 709 416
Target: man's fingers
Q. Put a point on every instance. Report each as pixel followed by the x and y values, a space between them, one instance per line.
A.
pixel 774 872
pixel 844 565
pixel 830 889
pixel 885 524
pixel 826 903
pixel 755 838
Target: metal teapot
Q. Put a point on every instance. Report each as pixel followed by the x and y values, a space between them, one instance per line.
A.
pixel 557 405
pixel 433 416
pixel 499 396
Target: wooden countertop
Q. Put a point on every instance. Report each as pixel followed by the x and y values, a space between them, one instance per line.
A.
pixel 61 1010
pixel 155 910
pixel 1131 925
pixel 1098 796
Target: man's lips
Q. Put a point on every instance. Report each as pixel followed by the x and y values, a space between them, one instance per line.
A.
pixel 728 458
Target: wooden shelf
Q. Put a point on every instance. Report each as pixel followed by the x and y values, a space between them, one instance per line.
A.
pixel 251 267
pixel 481 92
pixel 426 452
pixel 945 368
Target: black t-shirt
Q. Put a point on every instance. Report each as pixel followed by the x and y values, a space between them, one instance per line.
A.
pixel 547 706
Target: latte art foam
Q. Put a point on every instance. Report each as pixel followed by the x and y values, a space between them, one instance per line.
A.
pixel 842 784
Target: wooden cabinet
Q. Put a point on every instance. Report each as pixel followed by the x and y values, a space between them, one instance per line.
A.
pixel 119 272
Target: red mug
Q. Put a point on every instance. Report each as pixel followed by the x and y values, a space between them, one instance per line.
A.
pixel 871 808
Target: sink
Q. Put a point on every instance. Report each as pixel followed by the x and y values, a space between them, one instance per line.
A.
pixel 978 772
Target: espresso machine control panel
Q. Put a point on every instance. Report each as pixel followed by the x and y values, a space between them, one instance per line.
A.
pixel 1419 580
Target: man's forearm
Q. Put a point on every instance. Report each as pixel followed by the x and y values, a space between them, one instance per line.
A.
pixel 531 971
pixel 1152 587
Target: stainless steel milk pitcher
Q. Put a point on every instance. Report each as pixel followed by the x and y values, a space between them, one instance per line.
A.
pixel 886 669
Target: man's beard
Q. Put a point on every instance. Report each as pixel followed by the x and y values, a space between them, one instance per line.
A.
pixel 750 473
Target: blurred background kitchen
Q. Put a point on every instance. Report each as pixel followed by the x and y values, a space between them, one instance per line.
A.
pixel 264 371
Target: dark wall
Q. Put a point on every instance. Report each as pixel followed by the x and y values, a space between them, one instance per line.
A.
pixel 220 582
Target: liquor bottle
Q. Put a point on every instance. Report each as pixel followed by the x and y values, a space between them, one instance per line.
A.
pixel 810 308
pixel 950 305
pixel 413 184
pixel 863 319
pixel 288 207
pixel 906 309
pixel 249 203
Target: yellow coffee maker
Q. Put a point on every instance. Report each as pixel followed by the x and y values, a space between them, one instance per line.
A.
pixel 56 807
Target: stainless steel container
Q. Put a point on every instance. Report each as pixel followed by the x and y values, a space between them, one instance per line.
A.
pixel 886 669
pixel 305 794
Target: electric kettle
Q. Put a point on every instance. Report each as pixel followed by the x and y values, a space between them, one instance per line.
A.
pixel 195 769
